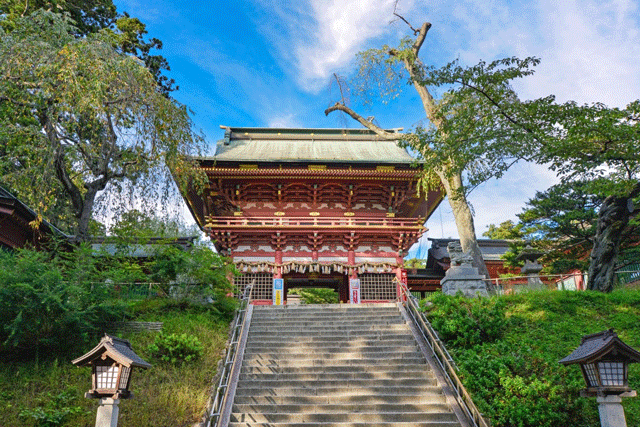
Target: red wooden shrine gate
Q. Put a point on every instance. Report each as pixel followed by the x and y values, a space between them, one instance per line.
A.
pixel 314 207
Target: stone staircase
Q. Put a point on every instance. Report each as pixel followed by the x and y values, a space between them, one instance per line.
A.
pixel 336 365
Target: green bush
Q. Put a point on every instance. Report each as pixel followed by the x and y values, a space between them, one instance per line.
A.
pixel 56 410
pixel 176 348
pixel 464 322
pixel 507 351
pixel 42 301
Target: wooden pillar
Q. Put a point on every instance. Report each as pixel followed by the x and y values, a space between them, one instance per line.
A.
pixel 277 271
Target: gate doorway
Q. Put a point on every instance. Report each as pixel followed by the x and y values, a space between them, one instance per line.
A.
pixel 338 283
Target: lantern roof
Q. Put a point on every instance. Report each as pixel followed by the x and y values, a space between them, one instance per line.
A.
pixel 310 145
pixel 117 349
pixel 595 346
pixel 529 253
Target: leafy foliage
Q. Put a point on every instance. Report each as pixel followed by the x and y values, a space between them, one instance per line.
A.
pixel 56 410
pixel 561 222
pixel 80 116
pixel 466 323
pixel 92 16
pixel 315 295
pixel 513 374
pixel 598 145
pixel 42 299
pixel 166 395
pixel 475 124
pixel 176 348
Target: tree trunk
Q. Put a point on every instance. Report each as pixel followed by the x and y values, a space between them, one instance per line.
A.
pixel 84 216
pixel 464 223
pixel 613 218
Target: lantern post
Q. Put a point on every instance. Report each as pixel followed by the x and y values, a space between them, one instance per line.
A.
pixel 604 360
pixel 111 361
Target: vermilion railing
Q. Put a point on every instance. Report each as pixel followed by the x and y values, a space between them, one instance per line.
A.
pixel 328 222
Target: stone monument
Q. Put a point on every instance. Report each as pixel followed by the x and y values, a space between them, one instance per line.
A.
pixel 462 276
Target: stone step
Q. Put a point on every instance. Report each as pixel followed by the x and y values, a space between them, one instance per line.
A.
pixel 433 397
pixel 342 417
pixel 336 383
pixel 376 307
pixel 336 366
pixel 276 346
pixel 340 390
pixel 326 323
pixel 329 351
pixel 352 408
pixel 274 363
pixel 338 369
pixel 361 356
pixel 338 336
pixel 350 424
pixel 255 329
pixel 322 314
pixel 374 338
pixel 341 376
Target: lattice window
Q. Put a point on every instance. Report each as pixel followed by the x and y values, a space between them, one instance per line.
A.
pixel 611 373
pixel 262 287
pixel 378 287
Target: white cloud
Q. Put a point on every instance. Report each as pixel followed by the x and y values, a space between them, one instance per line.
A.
pixel 590 49
pixel 285 121
pixel 320 37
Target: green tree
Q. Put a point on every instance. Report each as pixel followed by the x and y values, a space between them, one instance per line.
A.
pixel 92 16
pixel 135 225
pixel 505 231
pixel 474 130
pixel 86 116
pixel 598 144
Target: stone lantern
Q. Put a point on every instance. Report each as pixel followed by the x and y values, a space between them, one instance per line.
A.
pixel 531 267
pixel 604 360
pixel 111 363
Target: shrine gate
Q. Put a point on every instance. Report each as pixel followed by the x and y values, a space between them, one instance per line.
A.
pixel 314 207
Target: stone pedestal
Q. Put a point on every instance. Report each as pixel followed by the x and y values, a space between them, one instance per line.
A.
pixel 108 412
pixel 466 279
pixel 611 411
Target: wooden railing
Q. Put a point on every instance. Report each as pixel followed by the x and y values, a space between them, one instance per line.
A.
pixel 297 222
pixel 442 357
pixel 212 417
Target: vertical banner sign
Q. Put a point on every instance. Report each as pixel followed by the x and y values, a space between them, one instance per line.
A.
pixel 354 291
pixel 278 290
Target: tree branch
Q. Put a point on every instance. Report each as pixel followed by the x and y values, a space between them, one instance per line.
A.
pixel 421 36
pixel 392 136
pixel 415 32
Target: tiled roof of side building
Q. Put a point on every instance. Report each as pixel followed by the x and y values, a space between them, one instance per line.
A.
pixel 309 145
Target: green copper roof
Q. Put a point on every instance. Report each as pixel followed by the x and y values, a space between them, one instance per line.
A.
pixel 308 145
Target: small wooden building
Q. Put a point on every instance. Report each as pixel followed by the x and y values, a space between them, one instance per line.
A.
pixel 16 229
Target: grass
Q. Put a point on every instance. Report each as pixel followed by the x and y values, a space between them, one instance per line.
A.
pixel 506 347
pixel 511 367
pixel 165 395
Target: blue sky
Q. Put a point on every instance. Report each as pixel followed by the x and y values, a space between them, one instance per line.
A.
pixel 270 63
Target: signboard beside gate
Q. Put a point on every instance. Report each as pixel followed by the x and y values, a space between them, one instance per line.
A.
pixel 354 291
pixel 278 291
